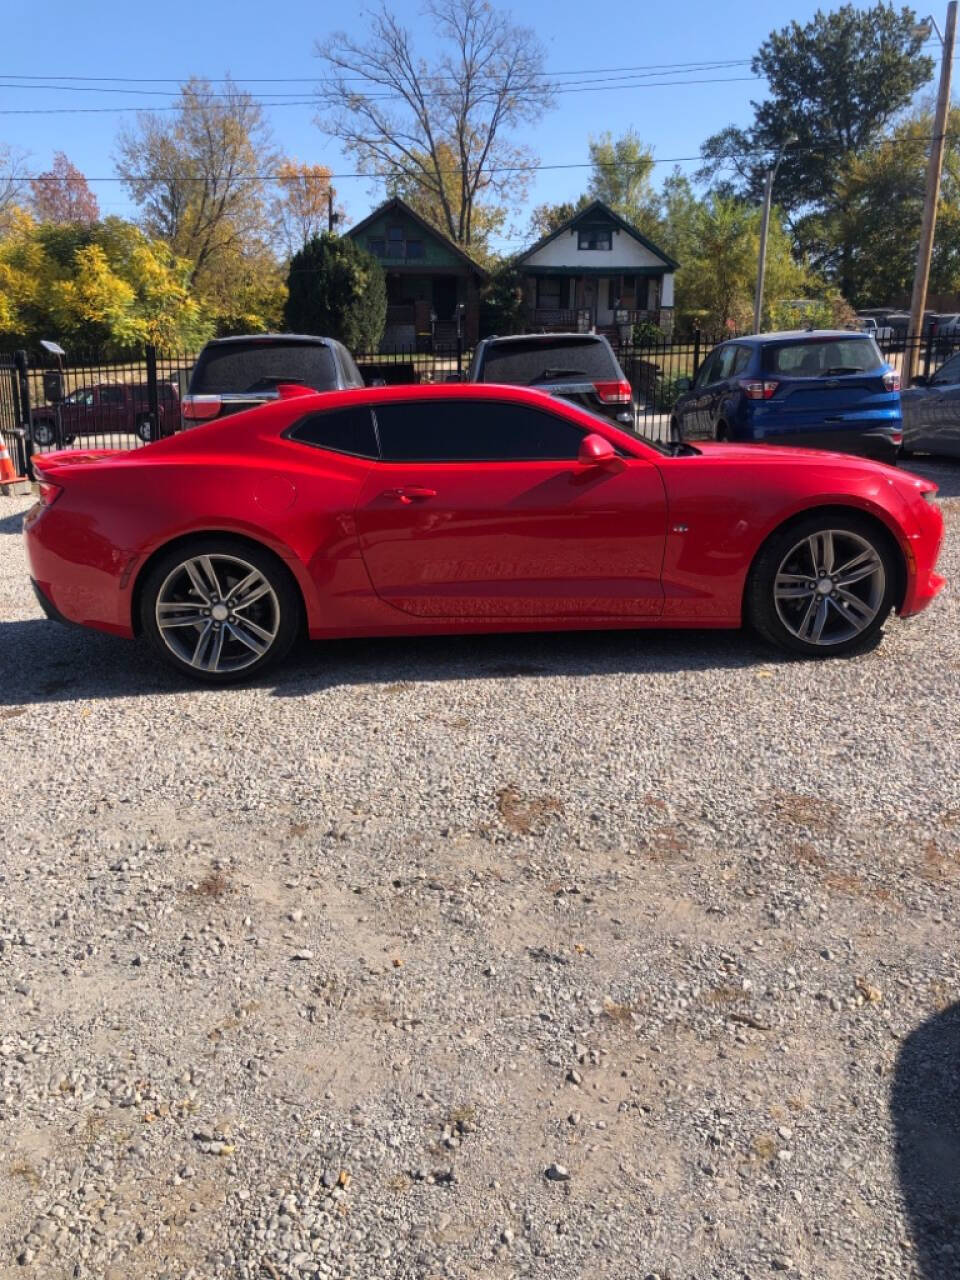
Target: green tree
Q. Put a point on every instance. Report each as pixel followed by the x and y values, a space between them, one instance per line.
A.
pixel 546 218
pixel 337 289
pixel 502 309
pixel 201 177
pixel 622 169
pixel 716 282
pixel 834 86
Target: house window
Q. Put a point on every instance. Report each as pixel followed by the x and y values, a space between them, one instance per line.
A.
pixel 394 238
pixel 628 292
pixel 378 248
pixel 594 238
pixel 414 248
pixel 549 293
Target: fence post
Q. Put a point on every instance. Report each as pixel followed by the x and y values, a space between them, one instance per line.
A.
pixel 696 351
pixel 928 353
pixel 23 405
pixel 153 394
pixel 459 353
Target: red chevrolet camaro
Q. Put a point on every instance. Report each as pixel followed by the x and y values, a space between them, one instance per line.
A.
pixel 397 510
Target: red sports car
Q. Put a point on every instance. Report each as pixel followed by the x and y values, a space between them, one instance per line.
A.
pixel 397 510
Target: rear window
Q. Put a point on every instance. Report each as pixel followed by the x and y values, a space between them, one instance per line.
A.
pixel 339 430
pixel 260 366
pixel 566 359
pixel 832 356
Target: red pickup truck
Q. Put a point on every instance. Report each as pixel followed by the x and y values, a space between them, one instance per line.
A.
pixel 108 408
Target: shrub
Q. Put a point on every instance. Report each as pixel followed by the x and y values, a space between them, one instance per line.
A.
pixel 337 289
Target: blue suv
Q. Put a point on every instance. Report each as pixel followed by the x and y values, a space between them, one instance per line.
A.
pixel 821 390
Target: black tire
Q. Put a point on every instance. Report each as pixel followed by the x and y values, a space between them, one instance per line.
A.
pixel 44 432
pixel 144 428
pixel 722 432
pixel 761 607
pixel 230 556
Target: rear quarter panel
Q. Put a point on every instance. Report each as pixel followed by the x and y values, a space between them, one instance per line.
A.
pixel 721 509
pixel 296 500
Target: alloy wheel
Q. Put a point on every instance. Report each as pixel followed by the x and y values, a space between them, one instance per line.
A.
pixel 217 613
pixel 829 587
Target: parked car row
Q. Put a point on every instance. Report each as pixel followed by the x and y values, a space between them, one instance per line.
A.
pixel 819 389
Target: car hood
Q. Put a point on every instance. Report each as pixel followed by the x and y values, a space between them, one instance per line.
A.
pixel 840 464
pixel 789 454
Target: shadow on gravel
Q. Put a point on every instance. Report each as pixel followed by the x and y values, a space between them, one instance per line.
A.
pixel 45 662
pixel 925 1105
pixel 947 476
pixel 12 524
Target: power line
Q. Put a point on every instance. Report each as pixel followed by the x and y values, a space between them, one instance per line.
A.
pixel 316 102
pixel 705 64
pixel 510 168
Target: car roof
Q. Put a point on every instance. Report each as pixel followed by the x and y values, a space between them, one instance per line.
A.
pixel 267 338
pixel 545 337
pixel 802 335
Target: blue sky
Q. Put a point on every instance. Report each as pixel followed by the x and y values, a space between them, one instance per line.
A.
pixel 251 40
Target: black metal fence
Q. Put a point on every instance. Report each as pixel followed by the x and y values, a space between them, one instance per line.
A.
pixel 49 402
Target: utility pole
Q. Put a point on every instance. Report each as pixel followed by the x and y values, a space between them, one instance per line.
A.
pixel 332 218
pixel 764 229
pixel 762 264
pixel 921 279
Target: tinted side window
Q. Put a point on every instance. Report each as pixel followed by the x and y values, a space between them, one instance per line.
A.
pixel 340 430
pixel 474 431
pixel 741 362
pixel 949 372
pixel 705 376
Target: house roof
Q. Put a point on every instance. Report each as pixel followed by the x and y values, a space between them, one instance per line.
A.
pixel 591 210
pixel 401 206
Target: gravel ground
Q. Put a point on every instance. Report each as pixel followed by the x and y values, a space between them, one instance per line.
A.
pixel 628 955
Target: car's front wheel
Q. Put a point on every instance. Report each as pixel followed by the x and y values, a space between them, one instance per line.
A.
pixel 44 432
pixel 823 586
pixel 220 609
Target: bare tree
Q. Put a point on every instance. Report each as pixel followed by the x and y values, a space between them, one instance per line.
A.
pixel 304 205
pixel 13 178
pixel 403 118
pixel 201 175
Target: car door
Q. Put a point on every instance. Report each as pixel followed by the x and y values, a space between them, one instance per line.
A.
pixel 716 392
pixel 479 510
pixel 695 403
pixel 931 413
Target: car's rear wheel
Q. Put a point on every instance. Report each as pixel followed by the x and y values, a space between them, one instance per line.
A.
pixel 220 609
pixel 823 586
pixel 144 428
pixel 44 432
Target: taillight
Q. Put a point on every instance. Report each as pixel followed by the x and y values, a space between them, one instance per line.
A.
pixel 49 492
pixel 614 392
pixel 891 380
pixel 201 408
pixel 754 389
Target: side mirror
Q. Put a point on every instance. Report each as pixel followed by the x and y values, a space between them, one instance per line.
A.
pixel 682 384
pixel 918 380
pixel 595 451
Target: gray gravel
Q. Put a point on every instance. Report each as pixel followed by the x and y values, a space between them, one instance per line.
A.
pixel 560 956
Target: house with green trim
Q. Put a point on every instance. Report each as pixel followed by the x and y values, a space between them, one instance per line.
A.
pixel 596 271
pixel 433 286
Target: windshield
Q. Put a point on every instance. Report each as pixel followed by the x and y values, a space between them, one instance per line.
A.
pixel 520 363
pixel 817 359
pixel 260 366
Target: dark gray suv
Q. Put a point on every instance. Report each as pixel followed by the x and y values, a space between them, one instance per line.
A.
pixel 232 374
pixel 577 366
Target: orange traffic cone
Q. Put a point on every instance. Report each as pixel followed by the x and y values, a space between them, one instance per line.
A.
pixel 8 474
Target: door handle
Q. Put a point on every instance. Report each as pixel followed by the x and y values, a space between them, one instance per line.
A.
pixel 410 494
